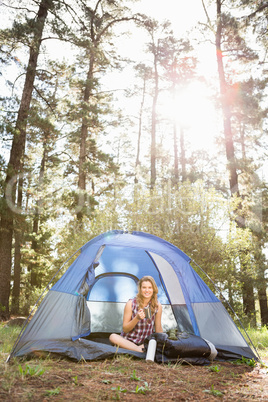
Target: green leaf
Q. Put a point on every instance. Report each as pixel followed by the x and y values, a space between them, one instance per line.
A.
pixel 134 376
pixel 55 391
pixel 213 391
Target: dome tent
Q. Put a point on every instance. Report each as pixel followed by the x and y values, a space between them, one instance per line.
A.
pixel 88 300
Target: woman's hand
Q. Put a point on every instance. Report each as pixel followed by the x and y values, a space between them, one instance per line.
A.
pixel 128 323
pixel 141 314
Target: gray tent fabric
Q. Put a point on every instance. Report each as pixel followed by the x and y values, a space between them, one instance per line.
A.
pixel 60 316
pixel 80 349
pixel 89 300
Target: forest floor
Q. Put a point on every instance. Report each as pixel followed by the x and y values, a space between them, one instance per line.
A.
pixel 130 379
pixel 127 379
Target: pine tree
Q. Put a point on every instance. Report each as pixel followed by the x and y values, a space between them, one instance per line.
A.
pixel 35 29
pixel 92 106
pixel 229 41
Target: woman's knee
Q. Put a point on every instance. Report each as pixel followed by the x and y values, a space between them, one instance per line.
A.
pixel 112 338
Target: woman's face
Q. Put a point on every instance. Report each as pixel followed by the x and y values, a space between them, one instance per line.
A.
pixel 147 289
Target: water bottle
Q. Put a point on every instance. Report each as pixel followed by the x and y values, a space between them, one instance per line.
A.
pixel 151 350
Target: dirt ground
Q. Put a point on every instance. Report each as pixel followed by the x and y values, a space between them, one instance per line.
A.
pixel 128 379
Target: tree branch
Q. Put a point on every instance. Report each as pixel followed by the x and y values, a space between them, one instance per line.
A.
pixel 65 153
pixel 208 18
pixel 134 18
pixel 17 8
pixel 45 100
pixel 261 8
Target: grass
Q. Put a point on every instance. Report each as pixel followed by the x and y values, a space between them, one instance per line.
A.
pixel 124 377
pixel 8 336
pixel 259 338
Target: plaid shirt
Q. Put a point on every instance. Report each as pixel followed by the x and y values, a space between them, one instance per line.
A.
pixel 142 329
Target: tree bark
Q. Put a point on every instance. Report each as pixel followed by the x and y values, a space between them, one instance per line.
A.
pixel 18 235
pixel 100 22
pixel 176 159
pixel 16 154
pixel 248 299
pixel 247 286
pixel 183 157
pixel 140 129
pixel 36 280
pixel 260 261
pixel 154 120
pixel 262 294
pixel 229 144
pixel 175 139
pixel 83 140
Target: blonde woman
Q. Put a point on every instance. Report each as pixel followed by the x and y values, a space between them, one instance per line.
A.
pixel 136 327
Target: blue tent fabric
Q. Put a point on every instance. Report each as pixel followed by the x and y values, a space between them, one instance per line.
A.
pixel 73 278
pixel 90 297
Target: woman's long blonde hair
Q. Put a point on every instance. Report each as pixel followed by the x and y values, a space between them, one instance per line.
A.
pixel 139 297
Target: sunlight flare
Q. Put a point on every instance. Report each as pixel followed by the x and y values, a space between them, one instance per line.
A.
pixel 193 110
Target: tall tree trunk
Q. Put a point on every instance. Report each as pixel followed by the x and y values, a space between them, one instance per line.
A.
pixel 230 293
pixel 137 164
pixel 176 159
pixel 18 235
pixel 99 24
pixel 248 297
pixel 33 267
pixel 247 286
pixel 183 157
pixel 175 139
pixel 260 262
pixel 229 144
pixel 84 134
pixel 262 295
pixel 154 121
pixel 16 154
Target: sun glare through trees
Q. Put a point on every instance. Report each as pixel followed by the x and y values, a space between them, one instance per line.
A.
pixel 193 110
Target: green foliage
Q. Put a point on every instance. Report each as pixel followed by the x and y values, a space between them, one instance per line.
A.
pixel 29 295
pixel 249 362
pixel 53 392
pixel 119 389
pixel 246 361
pixel 138 390
pixel 258 336
pixel 134 376
pixel 31 371
pixel 142 389
pixel 214 369
pixel 2 308
pixel 233 43
pixel 213 391
pixel 8 336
